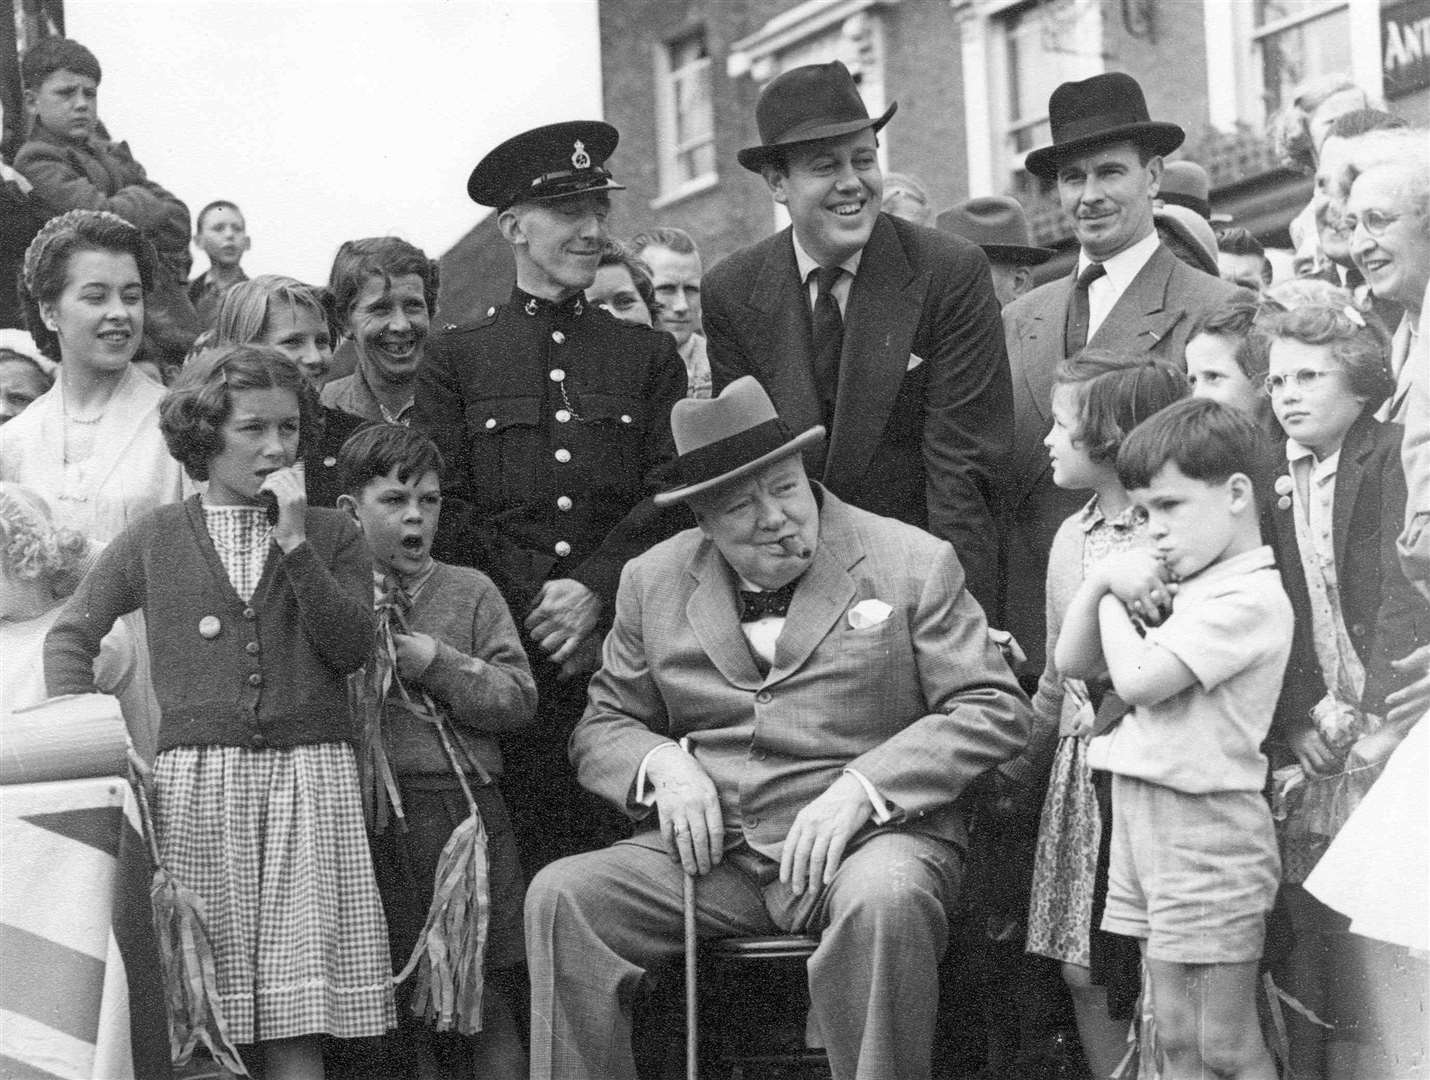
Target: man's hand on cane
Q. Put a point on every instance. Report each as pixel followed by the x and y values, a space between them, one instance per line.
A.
pixel 689 807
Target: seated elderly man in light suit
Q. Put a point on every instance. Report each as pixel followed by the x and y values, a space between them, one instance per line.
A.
pixel 838 690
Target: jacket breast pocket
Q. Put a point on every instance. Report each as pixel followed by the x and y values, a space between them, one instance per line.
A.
pixel 507 449
pixel 613 425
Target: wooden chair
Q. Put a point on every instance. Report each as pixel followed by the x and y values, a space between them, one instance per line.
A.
pixel 754 1007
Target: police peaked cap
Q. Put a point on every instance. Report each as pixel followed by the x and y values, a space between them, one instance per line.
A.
pixel 546 163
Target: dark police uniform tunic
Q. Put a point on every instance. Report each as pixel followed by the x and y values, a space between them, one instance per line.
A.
pixel 554 423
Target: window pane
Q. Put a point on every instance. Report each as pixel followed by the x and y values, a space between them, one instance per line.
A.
pixel 1048 45
pixel 1307 50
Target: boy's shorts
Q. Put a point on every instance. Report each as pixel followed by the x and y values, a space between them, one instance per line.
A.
pixel 1192 875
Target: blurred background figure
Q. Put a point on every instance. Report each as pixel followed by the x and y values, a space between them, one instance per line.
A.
pixel 999 226
pixel 1242 260
pixel 221 233
pixel 1190 237
pixel 23 378
pixel 906 197
pixel 1185 183
pixel 675 271
pixel 622 285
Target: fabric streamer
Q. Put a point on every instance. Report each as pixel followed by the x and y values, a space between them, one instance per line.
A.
pixel 381 797
pixel 190 978
pixel 451 949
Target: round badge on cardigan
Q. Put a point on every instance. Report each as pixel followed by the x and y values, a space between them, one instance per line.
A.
pixel 210 627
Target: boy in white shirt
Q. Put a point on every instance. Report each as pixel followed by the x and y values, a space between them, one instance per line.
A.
pixel 1194 863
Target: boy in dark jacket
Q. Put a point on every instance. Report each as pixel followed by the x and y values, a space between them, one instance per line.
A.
pixel 73 167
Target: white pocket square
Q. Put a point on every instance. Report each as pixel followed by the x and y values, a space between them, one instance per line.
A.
pixel 914 361
pixel 867 613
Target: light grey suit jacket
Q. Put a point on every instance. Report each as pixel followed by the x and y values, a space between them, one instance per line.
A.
pixel 919 704
pixel 1154 316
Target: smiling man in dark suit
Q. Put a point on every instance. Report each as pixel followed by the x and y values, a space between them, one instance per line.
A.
pixel 886 333
pixel 1128 293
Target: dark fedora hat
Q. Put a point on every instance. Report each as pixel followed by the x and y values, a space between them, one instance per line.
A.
pixel 546 163
pixel 728 437
pixel 1104 109
pixel 998 225
pixel 805 104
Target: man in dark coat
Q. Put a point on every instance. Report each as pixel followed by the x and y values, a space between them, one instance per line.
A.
pixel 1139 299
pixel 554 422
pixel 886 333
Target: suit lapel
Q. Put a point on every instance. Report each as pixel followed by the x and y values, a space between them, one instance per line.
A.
pixel 1042 333
pixel 1350 473
pixel 715 620
pixel 879 325
pixel 824 594
pixel 1144 314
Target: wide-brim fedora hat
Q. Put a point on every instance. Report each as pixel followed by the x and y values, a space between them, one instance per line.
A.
pixel 806 104
pixel 997 224
pixel 548 162
pixel 722 439
pixel 1104 109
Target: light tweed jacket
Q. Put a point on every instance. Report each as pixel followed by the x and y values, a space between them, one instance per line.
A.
pixel 919 704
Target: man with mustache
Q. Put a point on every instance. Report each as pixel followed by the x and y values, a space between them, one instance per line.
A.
pixel 884 332
pixel 1128 293
pixel 553 418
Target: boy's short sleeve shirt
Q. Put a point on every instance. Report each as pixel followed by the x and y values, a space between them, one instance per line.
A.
pixel 1231 626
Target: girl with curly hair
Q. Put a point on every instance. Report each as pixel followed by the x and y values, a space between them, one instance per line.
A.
pixel 259 606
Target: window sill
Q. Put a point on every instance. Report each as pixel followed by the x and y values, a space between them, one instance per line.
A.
pixel 685 191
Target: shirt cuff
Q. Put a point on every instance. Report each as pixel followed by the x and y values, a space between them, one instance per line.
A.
pixel 643 794
pixel 882 814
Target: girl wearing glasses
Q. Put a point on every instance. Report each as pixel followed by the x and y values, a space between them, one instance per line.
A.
pixel 1338 502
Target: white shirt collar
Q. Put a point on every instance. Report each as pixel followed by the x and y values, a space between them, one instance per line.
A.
pixel 808 264
pixel 1320 470
pixel 1126 264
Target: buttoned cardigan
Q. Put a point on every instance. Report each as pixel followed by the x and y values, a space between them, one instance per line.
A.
pixel 269 673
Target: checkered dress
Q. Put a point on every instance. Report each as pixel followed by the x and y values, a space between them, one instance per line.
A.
pixel 274 844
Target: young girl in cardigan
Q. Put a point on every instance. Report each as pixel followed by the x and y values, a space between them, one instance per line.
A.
pixel 255 619
pixel 1097 399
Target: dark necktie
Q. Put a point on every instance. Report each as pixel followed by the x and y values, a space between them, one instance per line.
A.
pixel 1078 313
pixel 757 605
pixel 828 326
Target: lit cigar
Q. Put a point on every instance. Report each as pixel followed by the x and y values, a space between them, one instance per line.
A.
pixel 792 546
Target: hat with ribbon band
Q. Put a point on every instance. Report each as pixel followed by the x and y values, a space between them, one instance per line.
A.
pixel 998 225
pixel 725 438
pixel 806 104
pixel 1104 109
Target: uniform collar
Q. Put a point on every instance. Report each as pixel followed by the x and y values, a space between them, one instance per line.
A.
pixel 573 306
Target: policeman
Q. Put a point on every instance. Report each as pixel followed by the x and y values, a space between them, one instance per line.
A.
pixel 554 422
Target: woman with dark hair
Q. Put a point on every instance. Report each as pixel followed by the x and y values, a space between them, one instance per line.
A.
pixel 622 285
pixel 383 292
pixel 91 444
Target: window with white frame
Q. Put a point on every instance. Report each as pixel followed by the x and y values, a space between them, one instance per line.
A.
pixel 1296 40
pixel 686 120
pixel 1043 45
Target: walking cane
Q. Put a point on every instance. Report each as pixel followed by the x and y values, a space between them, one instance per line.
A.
pixel 692 1034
